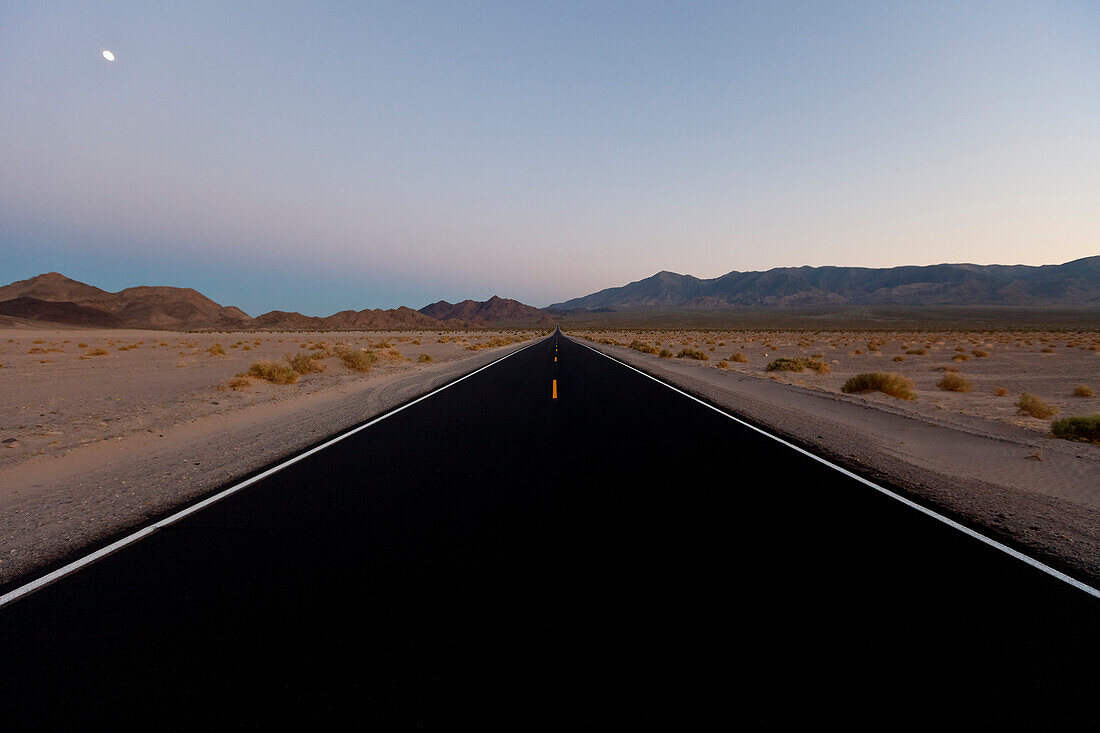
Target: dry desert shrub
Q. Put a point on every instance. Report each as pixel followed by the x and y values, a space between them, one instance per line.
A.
pixel 739 357
pixel 423 357
pixel 357 360
pixel 98 352
pixel 1078 428
pixel 960 357
pixel 692 354
pixel 1083 390
pixel 643 347
pixel 888 383
pixel 217 350
pixel 1000 391
pixel 979 354
pixel 916 352
pixel 272 371
pixel 1029 404
pixel 723 364
pixel 306 363
pixel 798 364
pixel 954 383
pixel 236 384
pixel 665 354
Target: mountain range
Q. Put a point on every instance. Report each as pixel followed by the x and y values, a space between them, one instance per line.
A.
pixel 1075 283
pixel 53 299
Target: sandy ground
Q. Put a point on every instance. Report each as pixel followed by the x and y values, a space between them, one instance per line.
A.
pixel 93 443
pixel 969 454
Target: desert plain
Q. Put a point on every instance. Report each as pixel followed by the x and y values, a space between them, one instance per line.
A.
pixel 104 430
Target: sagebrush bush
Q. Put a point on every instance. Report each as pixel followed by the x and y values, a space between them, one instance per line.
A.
pixel 798 364
pixel 643 347
pixel 1029 404
pixel 692 354
pixel 272 371
pixel 1083 390
pixel 306 363
pixel 358 360
pixel 739 357
pixel 1078 428
pixel 954 383
pixel 888 383
pixel 216 350
pixel 665 354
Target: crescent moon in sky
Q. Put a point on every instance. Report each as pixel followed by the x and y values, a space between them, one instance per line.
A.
pixel 108 55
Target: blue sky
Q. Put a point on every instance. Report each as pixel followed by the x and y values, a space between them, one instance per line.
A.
pixel 317 157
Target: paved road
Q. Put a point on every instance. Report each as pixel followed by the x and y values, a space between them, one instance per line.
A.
pixel 614 555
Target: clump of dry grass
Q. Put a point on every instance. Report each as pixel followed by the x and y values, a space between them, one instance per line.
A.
pixel 665 354
pixel 739 357
pixel 643 347
pixel 954 383
pixel 98 352
pixel 1029 404
pixel 888 383
pixel 358 360
pixel 216 350
pixel 423 358
pixel 1078 428
pixel 798 364
pixel 1000 391
pixel 692 354
pixel 1083 390
pixel 272 371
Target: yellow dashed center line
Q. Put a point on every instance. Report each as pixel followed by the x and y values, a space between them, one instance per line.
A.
pixel 555 389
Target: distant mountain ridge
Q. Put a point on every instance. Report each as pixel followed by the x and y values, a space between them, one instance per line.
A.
pixel 53 298
pixel 1075 283
pixel 493 310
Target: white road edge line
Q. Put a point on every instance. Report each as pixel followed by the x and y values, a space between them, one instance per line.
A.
pixel 75 565
pixel 946 520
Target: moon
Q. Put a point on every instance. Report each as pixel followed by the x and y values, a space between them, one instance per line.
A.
pixel 108 55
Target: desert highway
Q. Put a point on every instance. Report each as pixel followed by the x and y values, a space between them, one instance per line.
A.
pixel 556 541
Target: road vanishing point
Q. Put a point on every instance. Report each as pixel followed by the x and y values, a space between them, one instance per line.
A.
pixel 555 541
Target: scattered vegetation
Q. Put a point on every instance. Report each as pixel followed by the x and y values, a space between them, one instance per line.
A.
pixel 665 354
pixel 954 383
pixel 888 383
pixel 216 350
pixel 1083 390
pixel 1029 404
pixel 423 358
pixel 1078 428
pixel 98 352
pixel 643 347
pixel 692 354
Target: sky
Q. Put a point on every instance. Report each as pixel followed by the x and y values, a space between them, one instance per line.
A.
pixel 323 156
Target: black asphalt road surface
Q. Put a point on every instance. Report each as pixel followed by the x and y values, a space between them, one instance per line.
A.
pixel 617 556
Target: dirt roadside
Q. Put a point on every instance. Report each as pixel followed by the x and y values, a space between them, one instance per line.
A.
pixel 975 471
pixel 54 508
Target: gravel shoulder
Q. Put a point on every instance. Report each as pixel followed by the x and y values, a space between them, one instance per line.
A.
pixel 980 472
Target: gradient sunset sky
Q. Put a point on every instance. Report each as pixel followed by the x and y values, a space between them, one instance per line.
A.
pixel 317 157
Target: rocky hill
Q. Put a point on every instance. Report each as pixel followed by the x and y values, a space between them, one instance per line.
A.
pixel 53 299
